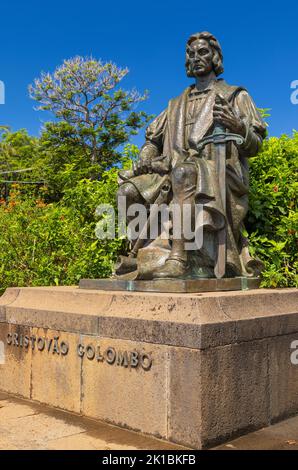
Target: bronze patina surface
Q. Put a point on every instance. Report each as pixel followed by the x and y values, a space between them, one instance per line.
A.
pixel 179 286
pixel 196 154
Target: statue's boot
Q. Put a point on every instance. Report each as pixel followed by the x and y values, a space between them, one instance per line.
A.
pixel 125 264
pixel 172 269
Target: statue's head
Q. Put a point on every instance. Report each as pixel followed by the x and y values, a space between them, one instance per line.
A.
pixel 203 54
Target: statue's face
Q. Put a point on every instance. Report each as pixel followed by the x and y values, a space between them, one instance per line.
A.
pixel 200 57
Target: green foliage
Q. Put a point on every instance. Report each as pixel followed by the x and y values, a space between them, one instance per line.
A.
pixel 59 165
pixel 17 150
pixel 264 112
pixel 94 116
pixel 272 222
pixel 48 233
pixel 55 244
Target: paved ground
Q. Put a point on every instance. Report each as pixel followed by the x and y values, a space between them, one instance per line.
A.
pixel 26 425
pixel 280 436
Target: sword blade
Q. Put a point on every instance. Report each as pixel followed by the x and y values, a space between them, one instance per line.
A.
pixel 220 263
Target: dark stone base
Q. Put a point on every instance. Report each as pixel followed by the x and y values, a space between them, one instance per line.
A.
pixel 172 285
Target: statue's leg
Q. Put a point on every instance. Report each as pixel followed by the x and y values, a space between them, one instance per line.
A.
pixel 184 183
pixel 131 194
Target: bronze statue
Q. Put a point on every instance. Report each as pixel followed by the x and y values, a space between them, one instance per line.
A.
pixel 196 152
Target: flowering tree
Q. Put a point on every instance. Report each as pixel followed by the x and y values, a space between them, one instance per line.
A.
pixel 92 112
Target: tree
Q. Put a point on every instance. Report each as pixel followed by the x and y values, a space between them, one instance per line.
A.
pixel 18 161
pixel 17 149
pixel 93 114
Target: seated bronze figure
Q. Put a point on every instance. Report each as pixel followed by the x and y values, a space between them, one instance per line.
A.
pixel 196 153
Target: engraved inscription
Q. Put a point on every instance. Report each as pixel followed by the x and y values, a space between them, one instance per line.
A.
pixel 51 345
pixel 132 359
pixel 56 346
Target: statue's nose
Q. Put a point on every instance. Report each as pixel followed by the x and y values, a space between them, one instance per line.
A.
pixel 197 55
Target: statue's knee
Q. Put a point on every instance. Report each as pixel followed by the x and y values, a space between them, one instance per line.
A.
pixel 124 190
pixel 184 173
pixel 129 192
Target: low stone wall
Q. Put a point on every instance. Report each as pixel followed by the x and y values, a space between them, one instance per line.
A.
pixel 192 369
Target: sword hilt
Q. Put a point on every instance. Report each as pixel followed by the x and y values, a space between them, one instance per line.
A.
pixel 220 136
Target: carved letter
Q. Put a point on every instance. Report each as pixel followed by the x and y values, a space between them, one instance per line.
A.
pixel 64 348
pixel 26 341
pixel 146 361
pixel 33 339
pixel 56 346
pixel 80 350
pixel 40 344
pixel 134 359
pixel 99 356
pixel 15 338
pixel 110 355
pixel 49 344
pixel 90 352
pixel 122 359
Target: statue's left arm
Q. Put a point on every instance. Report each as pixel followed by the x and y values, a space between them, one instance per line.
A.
pixel 255 129
pixel 150 157
pixel 152 147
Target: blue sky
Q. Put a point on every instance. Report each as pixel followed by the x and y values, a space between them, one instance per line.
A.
pixel 259 41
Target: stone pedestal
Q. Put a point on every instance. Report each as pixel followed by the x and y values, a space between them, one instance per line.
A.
pixel 194 369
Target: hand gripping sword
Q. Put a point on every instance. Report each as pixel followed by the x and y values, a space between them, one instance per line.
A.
pixel 220 138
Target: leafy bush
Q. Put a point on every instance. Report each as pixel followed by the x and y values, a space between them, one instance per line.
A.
pixel 48 240
pixel 55 244
pixel 272 221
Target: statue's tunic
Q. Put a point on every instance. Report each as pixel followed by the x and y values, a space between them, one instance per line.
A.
pixel 172 138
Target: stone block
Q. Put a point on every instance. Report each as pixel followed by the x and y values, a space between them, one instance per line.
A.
pixel 15 369
pixel 185 397
pixel 122 394
pixel 192 369
pixel 56 374
pixel 283 376
pixel 234 390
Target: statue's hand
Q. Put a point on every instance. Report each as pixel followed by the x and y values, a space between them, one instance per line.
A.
pixel 224 114
pixel 160 164
pixel 142 166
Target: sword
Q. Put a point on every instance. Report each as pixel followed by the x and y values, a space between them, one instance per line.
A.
pixel 220 138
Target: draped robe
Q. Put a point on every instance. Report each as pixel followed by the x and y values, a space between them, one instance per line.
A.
pixel 172 138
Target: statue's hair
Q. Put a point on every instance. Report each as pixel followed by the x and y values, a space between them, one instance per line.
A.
pixel 217 52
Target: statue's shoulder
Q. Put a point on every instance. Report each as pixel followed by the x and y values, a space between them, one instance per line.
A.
pixel 177 99
pixel 228 91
